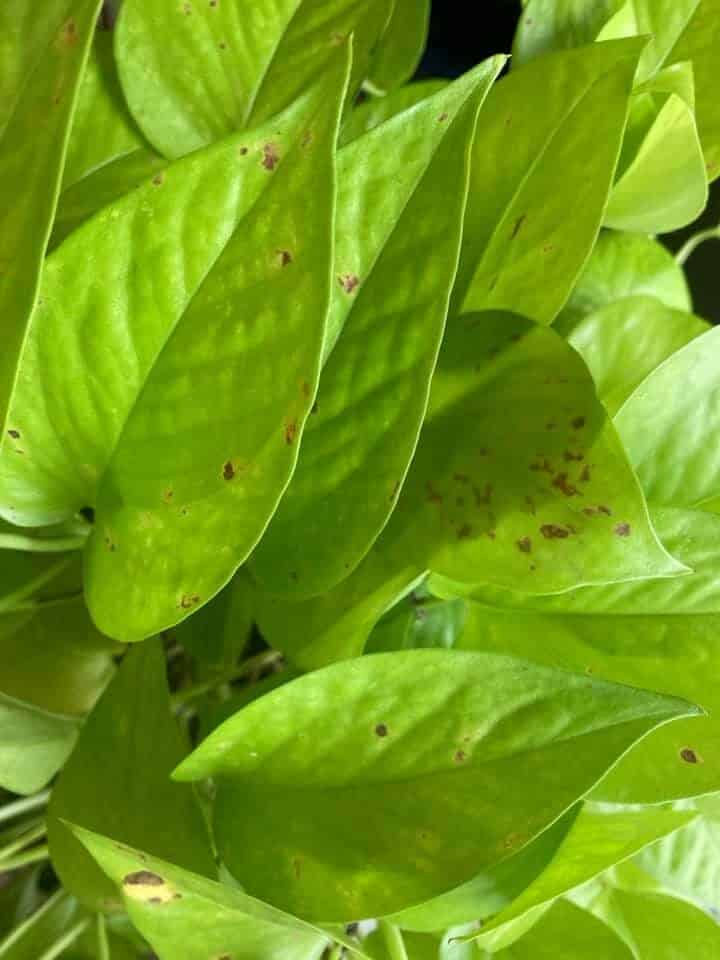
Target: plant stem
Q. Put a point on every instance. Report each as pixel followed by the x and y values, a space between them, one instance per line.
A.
pixel 336 951
pixel 16 541
pixel 35 832
pixel 393 938
pixel 103 947
pixel 259 662
pixel 691 245
pixel 23 859
pixel 16 935
pixel 64 942
pixel 24 805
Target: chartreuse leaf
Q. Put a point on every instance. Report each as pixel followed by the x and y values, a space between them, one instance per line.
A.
pixel 187 917
pixel 661 634
pixel 566 932
pixel 39 86
pixel 671 445
pixel 600 838
pixel 41 929
pixel 492 890
pixel 401 45
pixel 658 927
pixel 107 154
pixel 53 657
pixel 371 113
pixel 625 265
pixel 418 620
pixel 624 342
pixel 662 186
pixel 257 58
pixel 374 387
pixel 547 25
pixel 34 745
pixel 542 495
pixel 522 251
pixel 398 745
pixel 22 574
pixel 239 236
pixel 117 780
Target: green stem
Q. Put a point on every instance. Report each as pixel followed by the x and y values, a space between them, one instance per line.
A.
pixel 64 942
pixel 23 859
pixel 393 938
pixel 24 805
pixel 691 245
pixel 35 604
pixel 17 935
pixel 103 946
pixel 336 951
pixel 35 832
pixel 252 665
pixel 16 541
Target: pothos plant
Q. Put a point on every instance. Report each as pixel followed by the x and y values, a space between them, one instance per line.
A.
pixel 360 485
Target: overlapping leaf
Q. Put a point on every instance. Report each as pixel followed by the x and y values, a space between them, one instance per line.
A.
pixel 376 743
pixel 256 59
pixel 391 298
pixel 34 745
pixel 401 45
pixel 198 300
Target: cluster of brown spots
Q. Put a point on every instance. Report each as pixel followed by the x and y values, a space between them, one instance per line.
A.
pixel 689 755
pixel 432 494
pixel 271 157
pixel 291 432
pixel 464 532
pixel 569 456
pixel 484 498
pixel 381 730
pixel 442 118
pixel 460 756
pixel 349 282
pixel 148 887
pixel 15 434
pixel 158 179
pixel 188 600
pixel 228 470
pixel 577 423
pixel 552 531
pixel 622 529
pixel 518 226
pixel 595 511
pixel 285 257
pixel 560 481
pixel 524 545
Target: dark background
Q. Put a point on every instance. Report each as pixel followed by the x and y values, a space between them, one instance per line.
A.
pixel 462 34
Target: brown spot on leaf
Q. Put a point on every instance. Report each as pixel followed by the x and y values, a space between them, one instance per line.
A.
pixel 524 545
pixel 381 730
pixel 622 529
pixel 349 282
pixel 460 756
pixel 305 389
pixel 560 481
pixel 307 138
pixel 291 432
pixel 569 456
pixel 187 9
pixel 577 423
pixel 483 452
pixel 464 532
pixel 603 509
pixel 15 434
pixel 69 33
pixel 432 494
pixel 585 474
pixel 442 118
pixel 461 478
pixel 159 179
pixel 243 150
pixel 223 46
pixel 189 600
pixel 271 157
pixel 144 878
pixel 285 257
pixel 689 755
pixel 484 498
pixel 531 505
pixel 228 470
pixel 542 466
pixel 552 531
pixel 518 226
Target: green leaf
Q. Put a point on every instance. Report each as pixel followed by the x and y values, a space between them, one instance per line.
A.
pixel 625 265
pixel 600 838
pixel 522 251
pixel 671 445
pixel 175 518
pixel 376 742
pixel 41 929
pixel 184 916
pixel 547 25
pixel 35 744
pixel 663 185
pixel 401 45
pixel 566 932
pixel 256 59
pixel 371 113
pixel 53 657
pixel 39 91
pixel 117 780
pixel 107 154
pixel 517 499
pixel 374 386
pixel 625 342
pixel 418 621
